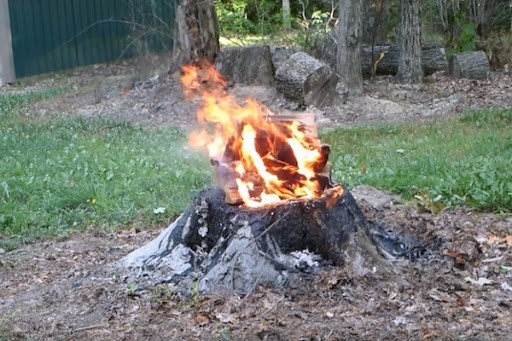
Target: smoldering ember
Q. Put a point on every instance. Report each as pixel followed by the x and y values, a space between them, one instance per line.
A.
pixel 276 214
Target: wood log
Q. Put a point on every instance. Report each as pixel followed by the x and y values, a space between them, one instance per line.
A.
pixel 281 54
pixel 225 248
pixel 247 65
pixel 473 65
pixel 196 33
pixel 433 57
pixel 307 80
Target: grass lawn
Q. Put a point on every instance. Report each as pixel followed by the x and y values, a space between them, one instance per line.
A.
pixel 62 174
pixel 461 161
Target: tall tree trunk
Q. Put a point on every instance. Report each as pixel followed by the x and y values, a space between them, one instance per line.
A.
pixel 348 56
pixel 286 15
pixel 375 21
pixel 409 65
pixel 196 33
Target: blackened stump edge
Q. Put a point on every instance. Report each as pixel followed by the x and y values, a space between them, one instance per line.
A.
pixel 232 248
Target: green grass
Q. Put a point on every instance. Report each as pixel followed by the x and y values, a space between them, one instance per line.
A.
pixel 64 174
pixel 444 164
pixel 13 103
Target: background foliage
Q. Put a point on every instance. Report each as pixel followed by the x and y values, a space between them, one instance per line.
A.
pixel 460 25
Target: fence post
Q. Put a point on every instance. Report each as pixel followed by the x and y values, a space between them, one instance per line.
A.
pixel 7 73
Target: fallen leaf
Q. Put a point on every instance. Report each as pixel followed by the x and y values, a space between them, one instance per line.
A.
pixel 506 268
pixel 399 320
pixel 492 239
pixel 505 286
pixel 481 281
pixel 202 319
pixel 159 210
pixel 225 318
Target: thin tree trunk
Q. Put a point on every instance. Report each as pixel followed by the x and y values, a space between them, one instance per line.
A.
pixel 286 15
pixel 7 73
pixel 348 56
pixel 409 65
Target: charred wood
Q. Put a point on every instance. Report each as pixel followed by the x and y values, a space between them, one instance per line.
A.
pixel 229 248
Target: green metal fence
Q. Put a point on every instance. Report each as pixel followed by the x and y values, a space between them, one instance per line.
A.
pixel 52 35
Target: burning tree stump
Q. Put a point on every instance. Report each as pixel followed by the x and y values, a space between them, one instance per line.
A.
pixel 228 248
pixel 276 216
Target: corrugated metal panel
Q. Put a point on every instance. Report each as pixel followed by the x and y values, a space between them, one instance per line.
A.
pixel 52 35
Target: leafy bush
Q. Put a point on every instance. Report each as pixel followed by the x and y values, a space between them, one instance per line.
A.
pixel 498 47
pixel 232 18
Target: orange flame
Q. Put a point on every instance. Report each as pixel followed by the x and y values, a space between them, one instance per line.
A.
pixel 269 160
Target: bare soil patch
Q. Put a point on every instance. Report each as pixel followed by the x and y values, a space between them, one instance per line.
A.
pixel 142 92
pixel 461 290
pixel 64 290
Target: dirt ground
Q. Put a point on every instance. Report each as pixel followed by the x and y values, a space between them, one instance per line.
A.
pixel 461 290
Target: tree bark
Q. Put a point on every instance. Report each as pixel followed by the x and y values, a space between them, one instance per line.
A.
pixel 433 59
pixel 286 15
pixel 473 65
pixel 196 33
pixel 348 56
pixel 227 248
pixel 7 72
pixel 374 24
pixel 409 65
pixel 306 80
pixel 247 65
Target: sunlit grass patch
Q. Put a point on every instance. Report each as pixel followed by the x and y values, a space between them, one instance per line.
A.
pixel 462 161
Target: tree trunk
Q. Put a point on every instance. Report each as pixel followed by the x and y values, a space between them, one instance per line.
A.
pixel 306 80
pixel 7 73
pixel 247 65
pixel 227 248
pixel 286 15
pixel 474 65
pixel 374 24
pixel 348 56
pixel 196 33
pixel 409 65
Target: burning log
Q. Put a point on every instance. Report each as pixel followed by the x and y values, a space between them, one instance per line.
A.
pixel 227 248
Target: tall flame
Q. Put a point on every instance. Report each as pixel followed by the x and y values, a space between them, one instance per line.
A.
pixel 268 160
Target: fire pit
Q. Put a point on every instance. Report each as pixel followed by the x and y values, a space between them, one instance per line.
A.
pixel 276 214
